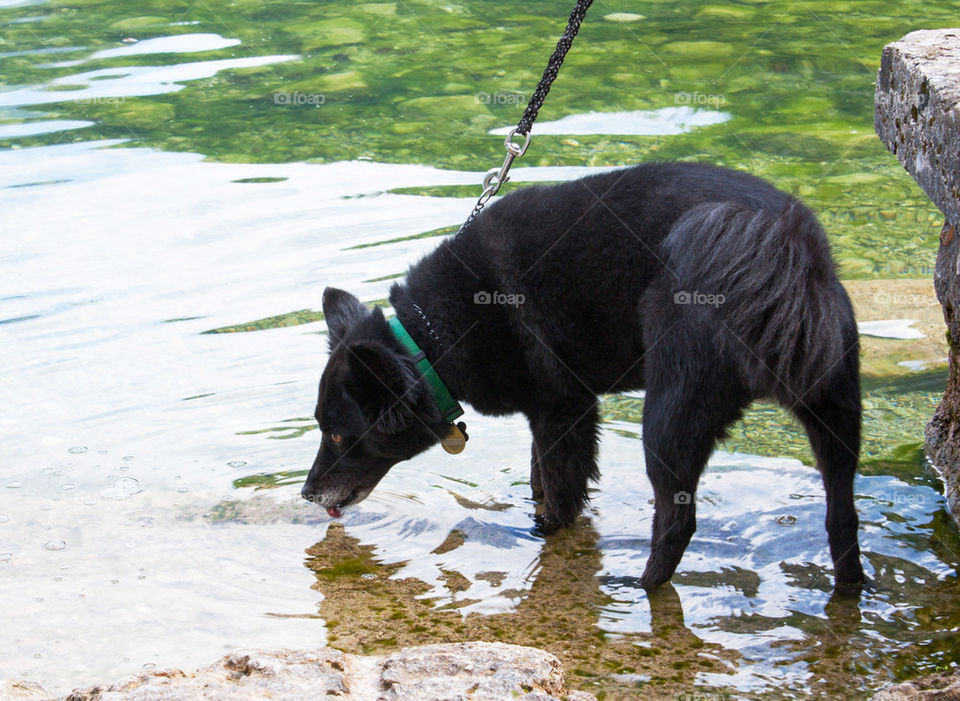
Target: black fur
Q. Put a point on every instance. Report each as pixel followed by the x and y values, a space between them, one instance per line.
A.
pixel 707 287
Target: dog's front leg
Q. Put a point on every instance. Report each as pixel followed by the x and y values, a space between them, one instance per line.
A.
pixel 536 480
pixel 564 460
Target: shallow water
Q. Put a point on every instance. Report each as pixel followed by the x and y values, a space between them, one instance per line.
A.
pixel 167 227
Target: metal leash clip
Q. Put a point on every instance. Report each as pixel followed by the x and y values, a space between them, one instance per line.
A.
pixel 496 177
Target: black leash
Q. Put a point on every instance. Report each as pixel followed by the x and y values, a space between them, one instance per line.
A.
pixel 498 176
pixel 553 67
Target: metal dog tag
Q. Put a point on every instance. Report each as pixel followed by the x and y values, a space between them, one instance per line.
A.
pixel 454 442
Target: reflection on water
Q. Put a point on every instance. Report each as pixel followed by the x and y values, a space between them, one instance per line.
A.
pixel 751 606
pixel 114 85
pixel 162 341
pixel 668 120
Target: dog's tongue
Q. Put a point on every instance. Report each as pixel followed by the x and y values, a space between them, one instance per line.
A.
pixel 334 511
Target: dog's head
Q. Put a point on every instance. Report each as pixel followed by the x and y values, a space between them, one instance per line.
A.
pixel 374 410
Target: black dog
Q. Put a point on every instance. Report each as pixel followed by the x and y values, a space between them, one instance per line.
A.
pixel 707 287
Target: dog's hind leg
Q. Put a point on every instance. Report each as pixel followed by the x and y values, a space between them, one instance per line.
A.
pixel 832 422
pixel 564 459
pixel 683 417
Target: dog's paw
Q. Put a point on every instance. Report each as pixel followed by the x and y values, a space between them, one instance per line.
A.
pixel 849 590
pixel 653 578
pixel 848 575
pixel 544 525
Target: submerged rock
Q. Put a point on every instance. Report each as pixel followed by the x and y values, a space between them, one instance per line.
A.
pixel 22 690
pixel 940 687
pixel 472 670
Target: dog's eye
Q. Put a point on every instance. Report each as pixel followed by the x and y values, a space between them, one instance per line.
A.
pixel 336 438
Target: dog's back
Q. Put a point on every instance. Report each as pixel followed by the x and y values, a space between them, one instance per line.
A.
pixel 593 260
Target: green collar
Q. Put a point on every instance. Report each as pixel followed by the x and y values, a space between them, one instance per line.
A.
pixel 449 407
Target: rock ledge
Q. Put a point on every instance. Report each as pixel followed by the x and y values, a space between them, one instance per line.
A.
pixel 473 670
pixel 917 116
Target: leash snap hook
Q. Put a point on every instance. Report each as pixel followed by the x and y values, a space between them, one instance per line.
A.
pixel 496 177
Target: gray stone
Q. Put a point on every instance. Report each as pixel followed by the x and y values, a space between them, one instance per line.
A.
pixel 917 116
pixel 241 675
pixel 476 671
pixel 916 111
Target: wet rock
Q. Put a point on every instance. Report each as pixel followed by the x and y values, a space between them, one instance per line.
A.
pixel 473 670
pixel 939 687
pixel 917 116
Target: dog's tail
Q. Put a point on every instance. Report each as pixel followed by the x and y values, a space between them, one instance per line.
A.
pixel 770 278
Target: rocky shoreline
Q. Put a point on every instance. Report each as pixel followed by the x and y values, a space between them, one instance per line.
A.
pixel 474 670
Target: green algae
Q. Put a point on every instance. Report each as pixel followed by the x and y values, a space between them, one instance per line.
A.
pixel 415 82
pixel 301 316
pixel 895 410
pixel 278 321
pixel 272 479
pixel 433 233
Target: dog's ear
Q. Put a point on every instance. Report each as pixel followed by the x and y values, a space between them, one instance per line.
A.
pixel 341 310
pixel 385 385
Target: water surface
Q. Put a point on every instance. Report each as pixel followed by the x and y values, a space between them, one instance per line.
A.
pixel 178 185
